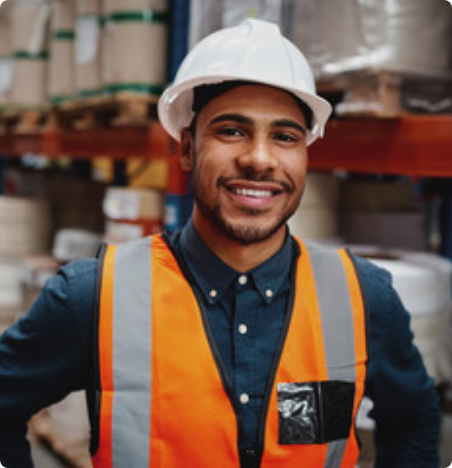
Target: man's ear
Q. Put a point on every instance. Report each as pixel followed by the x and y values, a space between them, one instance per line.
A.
pixel 186 144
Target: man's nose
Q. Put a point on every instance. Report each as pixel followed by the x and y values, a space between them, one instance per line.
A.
pixel 259 156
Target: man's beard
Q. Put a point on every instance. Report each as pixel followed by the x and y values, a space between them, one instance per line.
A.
pixel 242 233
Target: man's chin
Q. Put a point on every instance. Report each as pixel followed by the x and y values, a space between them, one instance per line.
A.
pixel 250 232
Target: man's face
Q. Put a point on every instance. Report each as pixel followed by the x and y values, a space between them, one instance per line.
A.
pixel 248 160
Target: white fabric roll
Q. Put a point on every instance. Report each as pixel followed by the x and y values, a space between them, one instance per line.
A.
pixel 423 282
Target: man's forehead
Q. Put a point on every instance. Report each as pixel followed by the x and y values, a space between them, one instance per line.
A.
pixel 204 94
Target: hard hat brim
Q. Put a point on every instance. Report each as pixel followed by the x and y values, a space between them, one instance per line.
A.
pixel 175 104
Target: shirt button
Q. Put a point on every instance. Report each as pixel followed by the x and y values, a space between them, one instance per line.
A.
pixel 269 293
pixel 243 329
pixel 244 398
pixel 213 293
pixel 243 279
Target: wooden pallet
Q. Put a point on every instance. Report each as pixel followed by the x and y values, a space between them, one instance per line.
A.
pixel 365 94
pixel 385 94
pixel 119 110
pixel 23 120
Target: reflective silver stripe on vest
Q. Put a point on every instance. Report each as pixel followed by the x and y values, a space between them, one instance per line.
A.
pixel 132 338
pixel 337 326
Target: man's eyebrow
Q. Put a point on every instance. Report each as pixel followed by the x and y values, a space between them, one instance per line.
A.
pixel 232 117
pixel 289 123
pixel 240 118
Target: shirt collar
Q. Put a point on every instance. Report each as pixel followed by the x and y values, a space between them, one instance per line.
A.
pixel 213 276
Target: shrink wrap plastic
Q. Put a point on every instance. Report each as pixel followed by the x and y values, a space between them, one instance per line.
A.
pixel 402 36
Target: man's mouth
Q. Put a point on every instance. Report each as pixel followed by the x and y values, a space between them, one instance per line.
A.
pixel 252 193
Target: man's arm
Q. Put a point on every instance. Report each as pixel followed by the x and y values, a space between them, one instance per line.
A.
pixel 45 356
pixel 406 404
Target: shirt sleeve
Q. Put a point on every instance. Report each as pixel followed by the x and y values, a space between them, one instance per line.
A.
pixel 45 355
pixel 406 404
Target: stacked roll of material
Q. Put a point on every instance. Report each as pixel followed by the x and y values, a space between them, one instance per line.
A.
pixel 10 293
pixel 135 48
pixel 423 282
pixel 61 60
pixel 29 42
pixel 88 48
pixel 25 226
pixel 5 56
pixel 317 216
pixel 132 213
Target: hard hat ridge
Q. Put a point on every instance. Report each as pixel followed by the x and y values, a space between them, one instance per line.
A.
pixel 252 52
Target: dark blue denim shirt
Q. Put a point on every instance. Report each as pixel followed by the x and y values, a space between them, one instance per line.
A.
pixel 246 315
pixel 48 352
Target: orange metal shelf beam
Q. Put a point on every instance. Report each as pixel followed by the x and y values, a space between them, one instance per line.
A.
pixel 411 145
pixel 149 142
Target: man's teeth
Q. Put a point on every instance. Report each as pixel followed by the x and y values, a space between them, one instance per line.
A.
pixel 252 193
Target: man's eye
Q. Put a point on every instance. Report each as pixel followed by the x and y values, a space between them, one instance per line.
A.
pixel 230 132
pixel 286 137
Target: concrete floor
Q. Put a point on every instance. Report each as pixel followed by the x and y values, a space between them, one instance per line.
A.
pixel 43 458
pixel 446 442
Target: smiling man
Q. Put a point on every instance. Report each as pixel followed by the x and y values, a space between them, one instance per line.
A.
pixel 248 157
pixel 230 343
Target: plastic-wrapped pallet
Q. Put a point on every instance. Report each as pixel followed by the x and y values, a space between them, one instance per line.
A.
pixel 5 55
pixel 132 213
pixel 29 42
pixel 88 48
pixel 350 35
pixel 136 36
pixel 347 35
pixel 370 50
pixel 61 61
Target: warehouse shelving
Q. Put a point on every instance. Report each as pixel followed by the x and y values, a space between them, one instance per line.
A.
pixel 414 145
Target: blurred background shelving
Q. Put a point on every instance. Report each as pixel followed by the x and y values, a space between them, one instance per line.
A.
pixel 83 158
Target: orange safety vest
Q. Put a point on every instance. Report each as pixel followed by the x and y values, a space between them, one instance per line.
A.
pixel 164 402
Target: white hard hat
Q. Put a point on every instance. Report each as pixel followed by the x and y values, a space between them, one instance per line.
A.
pixel 254 51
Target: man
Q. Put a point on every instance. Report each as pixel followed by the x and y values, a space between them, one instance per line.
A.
pixel 229 343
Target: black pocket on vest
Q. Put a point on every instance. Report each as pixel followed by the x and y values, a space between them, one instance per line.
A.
pixel 315 412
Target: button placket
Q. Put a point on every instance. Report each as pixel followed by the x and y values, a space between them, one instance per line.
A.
pixel 244 342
